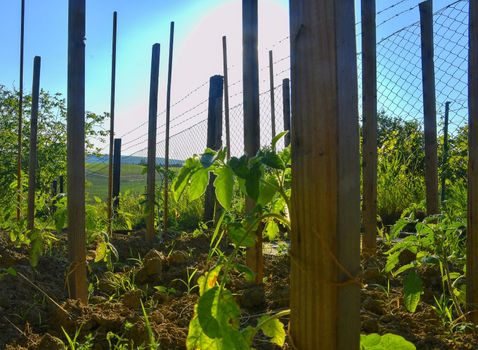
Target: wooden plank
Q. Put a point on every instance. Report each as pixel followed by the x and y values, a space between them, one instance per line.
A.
pixel 168 119
pixel 472 231
pixel 77 283
pixel 116 174
pixel 429 107
pixel 325 239
pixel 32 163
pixel 20 114
pixel 286 109
pixel 112 123
pixel 252 136
pixel 369 115
pixel 153 116
pixel 272 93
pixel 226 96
pixel 214 138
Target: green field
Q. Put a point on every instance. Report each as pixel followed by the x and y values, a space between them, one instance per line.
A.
pixel 132 179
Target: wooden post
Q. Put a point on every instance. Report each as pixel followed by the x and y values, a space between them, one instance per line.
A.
pixel 252 136
pixel 273 103
pixel 153 112
pixel 20 114
pixel 54 188
pixel 32 166
pixel 286 109
pixel 116 174
pixel 472 231
pixel 168 119
pixel 112 123
pixel 445 153
pixel 62 183
pixel 226 97
pixel 429 107
pixel 325 246
pixel 77 283
pixel 369 115
pixel 214 138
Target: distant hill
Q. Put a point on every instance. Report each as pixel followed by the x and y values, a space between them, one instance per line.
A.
pixel 133 160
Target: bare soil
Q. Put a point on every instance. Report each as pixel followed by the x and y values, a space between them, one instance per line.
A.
pixel 29 319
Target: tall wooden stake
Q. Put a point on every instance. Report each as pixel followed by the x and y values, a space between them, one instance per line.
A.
pixel 214 138
pixel 153 116
pixel 32 166
pixel 112 123
pixel 76 151
pixel 325 246
pixel 429 107
pixel 168 119
pixel 226 96
pixel 252 136
pixel 369 113
pixel 20 115
pixel 286 109
pixel 273 103
pixel 472 231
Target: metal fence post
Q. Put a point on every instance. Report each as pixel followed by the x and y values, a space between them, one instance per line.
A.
pixel 116 174
pixel 112 123
pixel 153 115
pixel 445 153
pixel 20 114
pixel 272 88
pixel 286 109
pixel 32 167
pixel 226 97
pixel 168 118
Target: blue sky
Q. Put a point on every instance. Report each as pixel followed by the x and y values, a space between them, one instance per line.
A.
pixel 199 28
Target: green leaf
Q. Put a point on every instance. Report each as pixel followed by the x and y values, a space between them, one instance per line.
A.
pixel 197 340
pixel 218 313
pixel 11 271
pixel 249 274
pixel 404 268
pixel 392 261
pixel 181 180
pixel 241 237
pixel 267 190
pixel 253 181
pixel 412 289
pixel 385 342
pixel 271 230
pixel 277 138
pixel 239 166
pixel 199 182
pixel 100 251
pixel 209 324
pixel 207 159
pixel 224 186
pixel 208 280
pixel 272 160
pixel 272 328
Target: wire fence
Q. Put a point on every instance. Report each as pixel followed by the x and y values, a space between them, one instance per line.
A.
pixel 400 103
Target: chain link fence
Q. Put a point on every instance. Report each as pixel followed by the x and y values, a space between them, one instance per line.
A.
pixel 400 106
